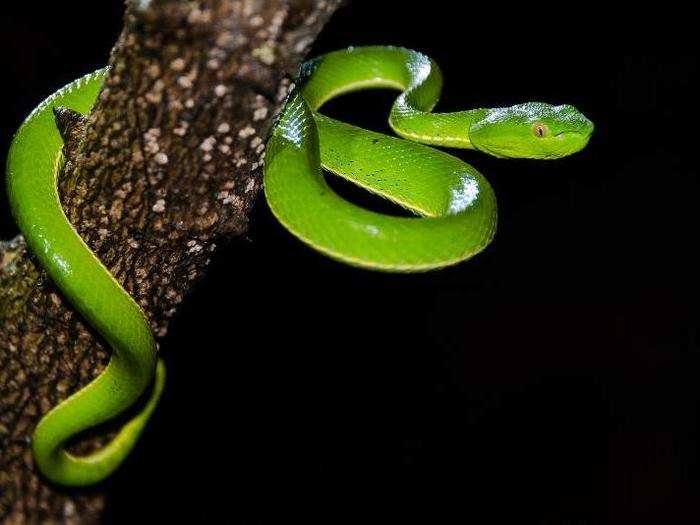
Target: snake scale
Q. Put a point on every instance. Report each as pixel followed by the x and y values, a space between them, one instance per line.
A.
pixel 455 210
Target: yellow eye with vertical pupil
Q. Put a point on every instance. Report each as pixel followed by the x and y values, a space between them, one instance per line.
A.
pixel 539 129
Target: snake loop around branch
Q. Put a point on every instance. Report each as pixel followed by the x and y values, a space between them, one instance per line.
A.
pixel 455 207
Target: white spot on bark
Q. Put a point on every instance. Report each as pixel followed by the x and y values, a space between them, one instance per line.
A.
pixel 207 144
pixel 260 114
pixel 265 53
pixel 246 132
pixel 159 206
pixel 182 129
pixel 69 506
pixel 177 65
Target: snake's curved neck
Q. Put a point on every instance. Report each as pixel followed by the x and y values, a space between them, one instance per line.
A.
pixel 437 129
pixel 414 74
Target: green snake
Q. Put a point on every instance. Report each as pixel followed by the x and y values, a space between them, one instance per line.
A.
pixel 454 204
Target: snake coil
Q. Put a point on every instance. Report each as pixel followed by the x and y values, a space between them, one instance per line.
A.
pixel 455 207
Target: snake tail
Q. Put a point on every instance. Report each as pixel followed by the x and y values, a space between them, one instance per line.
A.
pixel 32 169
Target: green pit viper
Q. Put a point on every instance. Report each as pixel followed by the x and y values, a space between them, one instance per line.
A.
pixel 455 205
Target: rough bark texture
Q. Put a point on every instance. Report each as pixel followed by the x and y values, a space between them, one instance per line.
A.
pixel 168 164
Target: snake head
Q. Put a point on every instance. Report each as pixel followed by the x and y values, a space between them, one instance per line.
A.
pixel 533 130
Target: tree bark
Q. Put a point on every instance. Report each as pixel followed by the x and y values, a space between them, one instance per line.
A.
pixel 167 165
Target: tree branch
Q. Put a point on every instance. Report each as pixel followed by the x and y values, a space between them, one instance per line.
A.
pixel 167 165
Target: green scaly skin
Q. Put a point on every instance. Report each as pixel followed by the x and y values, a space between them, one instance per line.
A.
pixel 456 205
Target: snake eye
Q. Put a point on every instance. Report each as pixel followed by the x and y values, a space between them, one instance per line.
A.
pixel 540 129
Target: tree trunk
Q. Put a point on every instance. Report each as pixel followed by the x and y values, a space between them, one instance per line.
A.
pixel 167 165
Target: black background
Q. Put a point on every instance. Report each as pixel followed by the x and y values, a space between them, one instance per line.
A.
pixel 552 379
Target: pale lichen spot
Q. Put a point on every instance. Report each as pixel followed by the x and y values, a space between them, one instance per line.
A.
pixel 265 53
pixel 55 299
pixel 69 507
pixel 182 129
pixel 224 39
pixel 153 70
pixel 227 197
pixel 246 132
pixel 116 210
pixel 161 158
pixel 278 19
pixel 178 64
pixel 159 206
pixel 151 146
pixel 220 90
pixel 224 127
pixel 137 156
pixel 184 82
pixel 199 16
pixel 207 144
pixel 260 114
pixel 303 44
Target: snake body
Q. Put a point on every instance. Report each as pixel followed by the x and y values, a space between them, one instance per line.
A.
pixel 455 205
